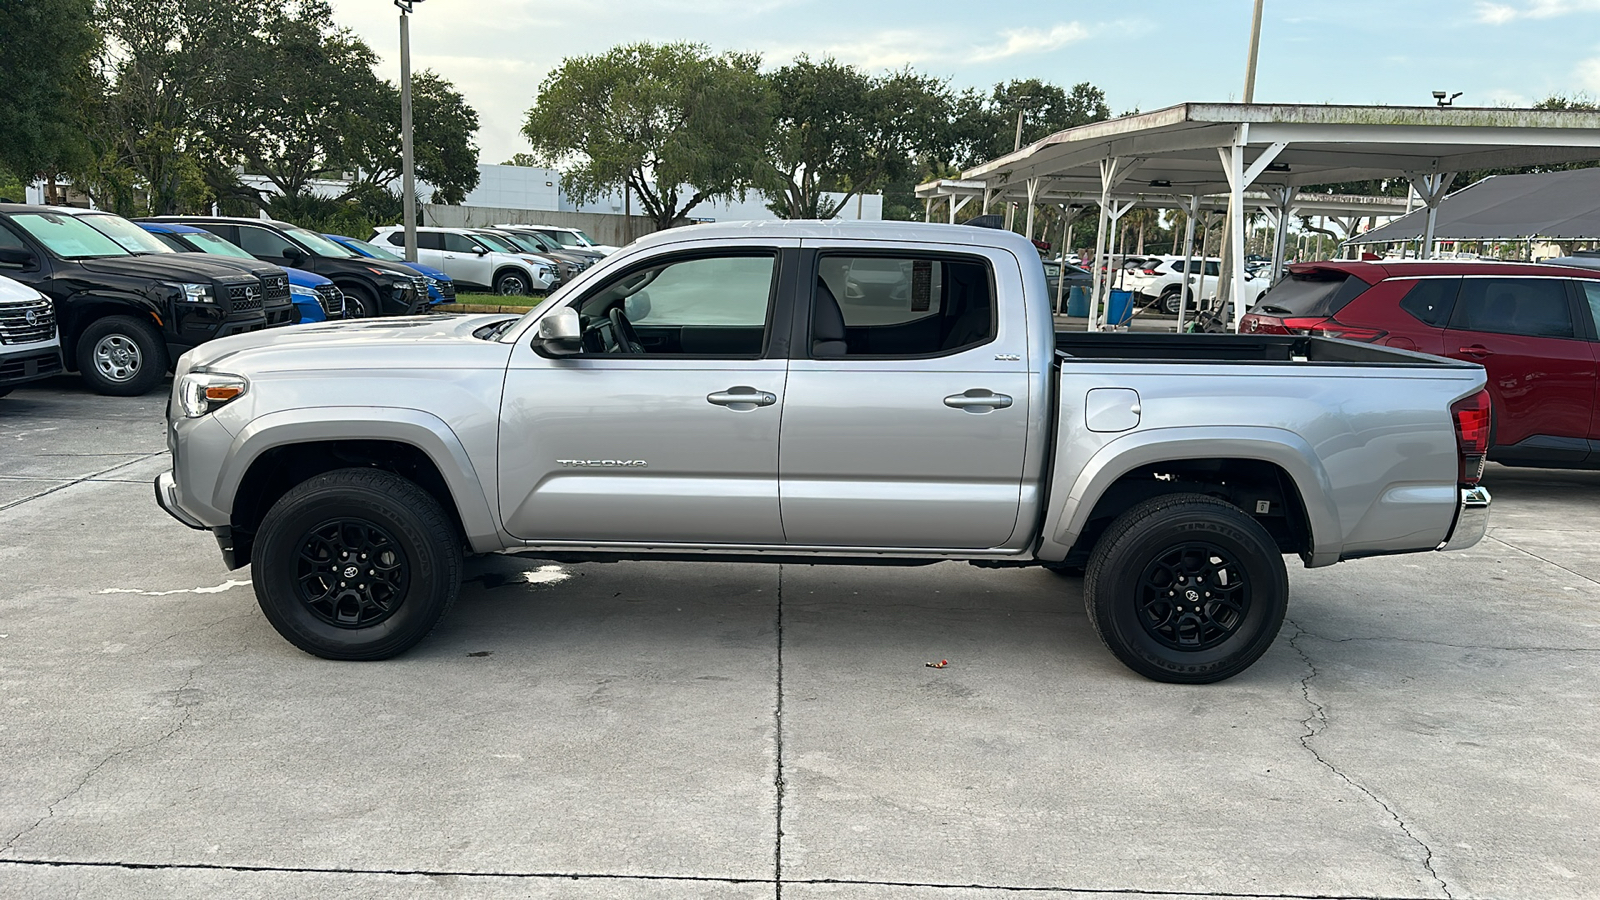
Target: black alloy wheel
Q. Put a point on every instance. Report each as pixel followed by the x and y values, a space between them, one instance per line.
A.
pixel 359 303
pixel 1187 589
pixel 356 564
pixel 511 284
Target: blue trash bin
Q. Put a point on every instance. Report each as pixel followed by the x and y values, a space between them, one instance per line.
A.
pixel 1119 311
pixel 1078 302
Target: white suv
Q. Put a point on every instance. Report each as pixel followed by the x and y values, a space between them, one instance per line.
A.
pixel 30 348
pixel 474 263
pixel 573 239
pixel 1159 280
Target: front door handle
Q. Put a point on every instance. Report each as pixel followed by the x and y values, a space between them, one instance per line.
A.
pixel 978 400
pixel 742 398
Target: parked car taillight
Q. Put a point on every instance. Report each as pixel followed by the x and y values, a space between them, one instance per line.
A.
pixel 1471 416
pixel 1149 271
pixel 1319 326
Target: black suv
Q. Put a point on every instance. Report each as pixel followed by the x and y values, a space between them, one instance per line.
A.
pixel 123 319
pixel 372 287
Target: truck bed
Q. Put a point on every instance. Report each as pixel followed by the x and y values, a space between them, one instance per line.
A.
pixel 1243 348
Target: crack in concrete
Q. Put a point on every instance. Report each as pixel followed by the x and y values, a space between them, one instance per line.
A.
pixel 76 481
pixel 1425 642
pixel 1316 723
pixel 693 879
pixel 777 781
pixel 1501 540
pixel 50 811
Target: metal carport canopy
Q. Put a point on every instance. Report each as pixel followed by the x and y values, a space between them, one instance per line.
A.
pixel 1208 148
pixel 1508 207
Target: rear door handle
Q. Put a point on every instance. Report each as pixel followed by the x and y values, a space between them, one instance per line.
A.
pixel 1477 351
pixel 742 398
pixel 977 399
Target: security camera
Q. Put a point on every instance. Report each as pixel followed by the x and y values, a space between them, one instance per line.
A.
pixel 1439 95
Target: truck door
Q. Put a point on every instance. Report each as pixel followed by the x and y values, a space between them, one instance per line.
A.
pixel 906 417
pixel 665 429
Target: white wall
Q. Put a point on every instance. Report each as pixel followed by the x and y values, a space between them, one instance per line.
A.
pixel 517 187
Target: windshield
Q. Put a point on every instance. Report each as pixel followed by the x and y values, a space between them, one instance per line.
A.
pixel 584 236
pixel 206 242
pixel 131 237
pixel 522 240
pixel 496 242
pixel 564 238
pixel 67 237
pixel 318 244
pixel 374 251
pixel 538 240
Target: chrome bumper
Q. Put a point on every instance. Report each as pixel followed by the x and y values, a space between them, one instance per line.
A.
pixel 1472 519
pixel 167 499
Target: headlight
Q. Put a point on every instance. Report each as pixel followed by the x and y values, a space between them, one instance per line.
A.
pixel 194 293
pixel 303 292
pixel 200 393
pixel 432 281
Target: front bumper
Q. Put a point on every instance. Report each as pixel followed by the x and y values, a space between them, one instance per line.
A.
pixel 1472 519
pixel 167 499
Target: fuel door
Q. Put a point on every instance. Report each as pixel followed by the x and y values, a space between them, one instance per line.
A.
pixel 1111 409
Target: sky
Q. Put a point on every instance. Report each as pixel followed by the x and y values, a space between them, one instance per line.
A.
pixel 1144 55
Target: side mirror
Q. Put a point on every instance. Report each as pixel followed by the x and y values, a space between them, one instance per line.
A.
pixel 17 257
pixel 560 333
pixel 481 250
pixel 294 255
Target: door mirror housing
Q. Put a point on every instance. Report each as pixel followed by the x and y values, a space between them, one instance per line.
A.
pixel 560 333
pixel 481 250
pixel 18 258
pixel 294 255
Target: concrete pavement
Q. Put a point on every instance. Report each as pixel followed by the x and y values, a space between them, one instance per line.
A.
pixel 1421 729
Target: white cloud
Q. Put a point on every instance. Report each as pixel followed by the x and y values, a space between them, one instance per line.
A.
pixel 1588 73
pixel 1023 41
pixel 1501 13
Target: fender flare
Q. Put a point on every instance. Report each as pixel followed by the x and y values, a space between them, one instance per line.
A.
pixel 1072 503
pixel 413 427
pixel 72 318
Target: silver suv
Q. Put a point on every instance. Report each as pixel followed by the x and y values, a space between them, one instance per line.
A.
pixel 476 261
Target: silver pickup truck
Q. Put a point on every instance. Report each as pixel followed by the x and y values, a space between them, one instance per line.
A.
pixel 822 393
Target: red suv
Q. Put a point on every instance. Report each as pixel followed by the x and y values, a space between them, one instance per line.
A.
pixel 1533 327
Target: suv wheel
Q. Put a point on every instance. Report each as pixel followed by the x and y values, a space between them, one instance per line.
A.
pixel 359 303
pixel 122 356
pixel 356 564
pixel 1186 589
pixel 511 284
pixel 1169 301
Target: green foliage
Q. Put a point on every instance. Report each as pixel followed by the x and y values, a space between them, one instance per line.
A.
pixel 46 47
pixel 985 125
pixel 655 119
pixel 836 128
pixel 12 190
pixel 521 159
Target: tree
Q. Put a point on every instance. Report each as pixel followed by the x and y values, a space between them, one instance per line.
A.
pixel 669 122
pixel 837 129
pixel 45 58
pixel 442 139
pixel 985 127
pixel 525 160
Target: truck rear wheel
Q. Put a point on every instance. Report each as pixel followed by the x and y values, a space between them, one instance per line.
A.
pixel 122 356
pixel 1186 589
pixel 356 564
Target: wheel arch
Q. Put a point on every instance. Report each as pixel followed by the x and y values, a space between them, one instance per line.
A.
pixel 517 268
pixel 277 451
pixel 82 310
pixel 1233 464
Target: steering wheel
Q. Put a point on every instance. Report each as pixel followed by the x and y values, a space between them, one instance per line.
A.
pixel 627 340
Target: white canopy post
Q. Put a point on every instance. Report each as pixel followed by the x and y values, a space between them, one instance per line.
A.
pixel 1188 255
pixel 1119 208
pixel 1113 171
pixel 1432 188
pixel 988 194
pixel 1240 177
pixel 1033 195
pixel 1069 214
pixel 927 209
pixel 1280 242
pixel 957 207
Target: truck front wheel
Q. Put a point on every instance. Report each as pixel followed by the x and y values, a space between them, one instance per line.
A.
pixel 356 564
pixel 1186 589
pixel 122 356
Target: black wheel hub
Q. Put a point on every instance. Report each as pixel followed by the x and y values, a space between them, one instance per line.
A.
pixel 351 573
pixel 1193 596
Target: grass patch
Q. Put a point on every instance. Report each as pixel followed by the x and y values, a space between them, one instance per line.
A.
pixel 466 302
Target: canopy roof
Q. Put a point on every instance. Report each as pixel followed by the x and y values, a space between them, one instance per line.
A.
pixel 1163 198
pixel 1508 207
pixel 1321 144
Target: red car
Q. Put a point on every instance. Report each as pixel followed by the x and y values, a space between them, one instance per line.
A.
pixel 1533 327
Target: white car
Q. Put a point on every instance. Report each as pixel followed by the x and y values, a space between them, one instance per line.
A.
pixel 473 262
pixel 1159 281
pixel 573 238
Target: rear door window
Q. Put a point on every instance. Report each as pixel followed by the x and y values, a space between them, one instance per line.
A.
pixel 260 242
pixel 1591 294
pixel 1431 300
pixel 1320 294
pixel 889 306
pixel 1536 307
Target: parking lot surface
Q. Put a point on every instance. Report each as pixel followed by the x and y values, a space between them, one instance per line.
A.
pixel 1424 726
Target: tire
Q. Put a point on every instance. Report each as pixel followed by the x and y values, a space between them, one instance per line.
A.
pixel 351 511
pixel 511 283
pixel 122 356
pixel 1188 534
pixel 1169 301
pixel 359 303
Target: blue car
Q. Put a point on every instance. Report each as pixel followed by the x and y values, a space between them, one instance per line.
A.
pixel 316 299
pixel 440 288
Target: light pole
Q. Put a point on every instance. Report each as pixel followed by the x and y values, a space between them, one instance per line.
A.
pixel 1255 47
pixel 408 163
